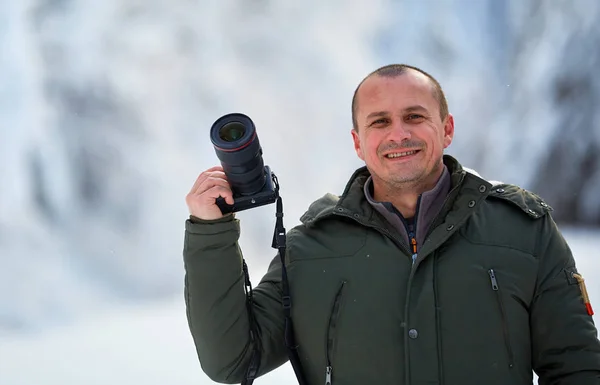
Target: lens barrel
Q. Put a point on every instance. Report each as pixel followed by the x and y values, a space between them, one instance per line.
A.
pixel 237 147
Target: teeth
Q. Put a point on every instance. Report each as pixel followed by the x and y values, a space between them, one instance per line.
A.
pixel 400 154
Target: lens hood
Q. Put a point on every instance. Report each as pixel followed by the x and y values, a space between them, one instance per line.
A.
pixel 248 136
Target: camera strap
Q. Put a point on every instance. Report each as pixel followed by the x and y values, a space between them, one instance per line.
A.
pixel 279 243
pixel 252 370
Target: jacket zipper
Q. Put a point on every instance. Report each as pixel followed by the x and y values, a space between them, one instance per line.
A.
pixel 401 245
pixel 496 288
pixel 412 231
pixel 333 321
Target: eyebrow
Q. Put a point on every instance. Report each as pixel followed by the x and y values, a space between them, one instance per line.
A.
pixel 415 108
pixel 376 114
pixel 407 109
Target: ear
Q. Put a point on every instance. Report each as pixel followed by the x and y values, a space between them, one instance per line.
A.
pixel 357 148
pixel 448 130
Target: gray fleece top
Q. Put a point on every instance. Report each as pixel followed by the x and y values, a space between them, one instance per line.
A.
pixel 429 205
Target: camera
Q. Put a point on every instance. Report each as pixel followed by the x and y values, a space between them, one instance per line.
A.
pixel 237 146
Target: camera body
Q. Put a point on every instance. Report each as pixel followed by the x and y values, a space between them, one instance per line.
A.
pixel 263 197
pixel 237 146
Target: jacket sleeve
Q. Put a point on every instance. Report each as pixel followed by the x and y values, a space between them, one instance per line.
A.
pixel 565 343
pixel 216 303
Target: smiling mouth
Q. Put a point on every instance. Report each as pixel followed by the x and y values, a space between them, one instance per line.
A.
pixel 395 155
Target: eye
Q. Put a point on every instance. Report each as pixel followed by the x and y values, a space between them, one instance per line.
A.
pixel 379 122
pixel 414 117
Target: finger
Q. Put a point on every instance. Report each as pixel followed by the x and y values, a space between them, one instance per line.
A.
pixel 220 184
pixel 219 191
pixel 211 181
pixel 199 180
pixel 213 171
pixel 217 174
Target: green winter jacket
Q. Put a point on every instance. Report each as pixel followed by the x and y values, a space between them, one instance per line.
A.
pixel 490 297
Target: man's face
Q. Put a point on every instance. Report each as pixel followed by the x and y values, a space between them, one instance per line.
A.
pixel 401 137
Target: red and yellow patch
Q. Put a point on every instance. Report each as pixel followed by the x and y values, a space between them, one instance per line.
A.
pixel 584 293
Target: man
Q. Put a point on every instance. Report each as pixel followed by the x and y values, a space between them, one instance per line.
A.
pixel 419 273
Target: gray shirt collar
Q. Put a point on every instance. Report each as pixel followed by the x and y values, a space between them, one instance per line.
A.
pixel 428 207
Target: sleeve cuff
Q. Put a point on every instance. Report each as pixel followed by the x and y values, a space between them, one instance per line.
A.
pixel 195 225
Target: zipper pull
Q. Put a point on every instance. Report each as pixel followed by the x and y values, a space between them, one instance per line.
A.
pixel 328 375
pixel 493 279
pixel 413 244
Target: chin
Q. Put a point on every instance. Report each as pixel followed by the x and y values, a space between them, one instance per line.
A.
pixel 403 180
pixel 409 176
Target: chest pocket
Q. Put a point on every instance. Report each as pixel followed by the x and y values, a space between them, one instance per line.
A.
pixel 485 291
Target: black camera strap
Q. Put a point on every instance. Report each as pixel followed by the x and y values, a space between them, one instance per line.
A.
pixel 279 243
pixel 252 370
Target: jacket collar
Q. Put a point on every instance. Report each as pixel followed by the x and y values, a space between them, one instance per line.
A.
pixel 353 202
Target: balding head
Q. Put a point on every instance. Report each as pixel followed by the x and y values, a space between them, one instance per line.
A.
pixel 395 70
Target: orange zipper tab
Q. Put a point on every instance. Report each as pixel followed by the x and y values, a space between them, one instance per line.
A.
pixel 413 242
pixel 584 293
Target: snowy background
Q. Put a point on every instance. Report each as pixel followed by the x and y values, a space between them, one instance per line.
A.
pixel 105 108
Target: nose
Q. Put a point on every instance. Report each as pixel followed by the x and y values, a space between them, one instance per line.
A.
pixel 399 131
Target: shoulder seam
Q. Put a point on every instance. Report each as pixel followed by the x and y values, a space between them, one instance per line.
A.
pixel 529 202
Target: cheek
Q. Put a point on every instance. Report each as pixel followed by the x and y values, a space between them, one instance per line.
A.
pixel 372 147
pixel 438 140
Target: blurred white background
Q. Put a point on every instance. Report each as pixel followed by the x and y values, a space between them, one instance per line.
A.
pixel 105 110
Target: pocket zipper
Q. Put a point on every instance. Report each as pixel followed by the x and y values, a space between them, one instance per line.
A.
pixel 333 320
pixel 496 288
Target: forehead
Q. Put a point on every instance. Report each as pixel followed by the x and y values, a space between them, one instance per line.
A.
pixel 392 93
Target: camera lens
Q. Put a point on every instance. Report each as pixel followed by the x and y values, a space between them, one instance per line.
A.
pixel 237 147
pixel 231 132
